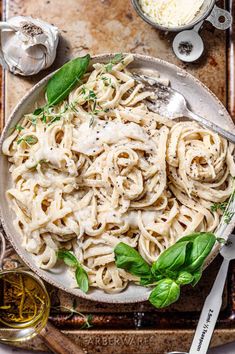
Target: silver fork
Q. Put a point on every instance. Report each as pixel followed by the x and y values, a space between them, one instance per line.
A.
pixel 172 104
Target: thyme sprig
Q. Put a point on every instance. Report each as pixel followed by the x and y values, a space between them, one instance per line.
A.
pixel 225 207
pixel 19 127
pixel 90 96
pixel 228 215
pixel 219 206
pixel 72 311
pixel 92 120
pixel 115 60
pixel 55 119
pixel 29 140
pixel 108 81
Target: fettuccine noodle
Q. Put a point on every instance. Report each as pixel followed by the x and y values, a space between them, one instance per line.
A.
pixel 101 168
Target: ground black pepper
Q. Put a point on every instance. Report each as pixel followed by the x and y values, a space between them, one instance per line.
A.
pixel 185 48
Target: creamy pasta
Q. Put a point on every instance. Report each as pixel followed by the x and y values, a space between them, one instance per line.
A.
pixel 101 168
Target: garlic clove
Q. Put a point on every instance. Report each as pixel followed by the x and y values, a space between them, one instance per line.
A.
pixel 27 45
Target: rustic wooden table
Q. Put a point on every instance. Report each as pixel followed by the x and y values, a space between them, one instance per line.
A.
pixel 98 26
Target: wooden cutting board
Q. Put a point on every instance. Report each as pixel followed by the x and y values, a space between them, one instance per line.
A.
pixel 101 26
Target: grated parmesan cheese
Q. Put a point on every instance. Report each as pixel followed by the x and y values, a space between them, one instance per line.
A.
pixel 171 13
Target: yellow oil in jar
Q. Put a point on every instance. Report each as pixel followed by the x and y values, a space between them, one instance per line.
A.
pixel 24 305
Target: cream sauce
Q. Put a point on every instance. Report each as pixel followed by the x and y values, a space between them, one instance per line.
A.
pixel 89 140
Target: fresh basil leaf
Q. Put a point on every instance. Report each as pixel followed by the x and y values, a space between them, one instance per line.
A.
pixel 82 278
pixel 129 259
pixel 150 279
pixel 165 293
pixel 171 274
pixel 201 248
pixel 65 79
pixel 184 278
pixel 171 259
pixel 190 237
pixel 196 277
pixel 68 258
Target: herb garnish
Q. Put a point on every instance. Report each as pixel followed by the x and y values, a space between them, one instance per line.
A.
pixel 80 273
pixel 115 60
pixel 44 118
pixel 91 96
pixel 55 119
pixel 30 140
pixel 108 80
pixel 219 206
pixel 19 127
pixel 92 120
pixel 83 90
pixel 109 67
pixel 221 240
pixel 72 106
pixel 225 208
pixel 88 322
pixel 33 120
pixel 63 81
pixel 228 215
pixel 38 111
pixel 73 311
pixel 179 265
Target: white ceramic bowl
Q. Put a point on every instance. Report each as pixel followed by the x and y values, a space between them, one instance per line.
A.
pixel 202 14
pixel 200 99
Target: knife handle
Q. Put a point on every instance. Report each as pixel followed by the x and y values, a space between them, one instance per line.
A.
pixel 58 342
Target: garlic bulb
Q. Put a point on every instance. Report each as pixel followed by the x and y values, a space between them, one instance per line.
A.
pixel 27 45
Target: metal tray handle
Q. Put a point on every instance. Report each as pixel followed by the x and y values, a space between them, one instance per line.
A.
pixel 217 15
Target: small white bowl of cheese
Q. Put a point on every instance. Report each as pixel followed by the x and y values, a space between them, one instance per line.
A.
pixel 173 15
